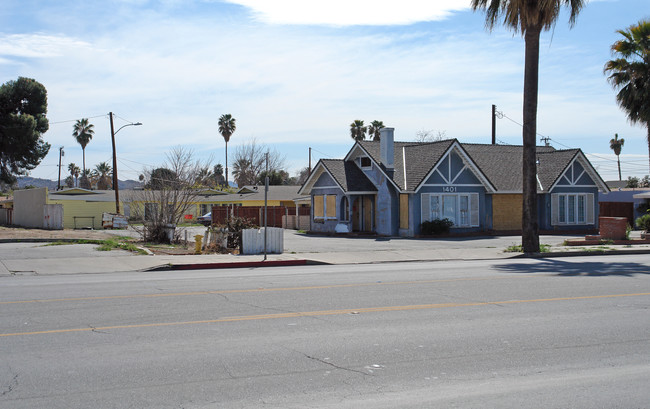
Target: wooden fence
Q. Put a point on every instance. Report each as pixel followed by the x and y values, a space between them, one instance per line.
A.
pixel 256 213
pixel 617 209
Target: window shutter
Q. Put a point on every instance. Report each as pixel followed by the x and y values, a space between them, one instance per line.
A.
pixel 555 204
pixel 318 206
pixel 403 211
pixel 590 208
pixel 426 207
pixel 330 206
pixel 474 209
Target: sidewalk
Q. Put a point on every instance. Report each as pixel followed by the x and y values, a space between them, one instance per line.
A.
pixel 19 258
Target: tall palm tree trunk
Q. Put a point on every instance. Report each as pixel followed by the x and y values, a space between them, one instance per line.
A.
pixel 648 125
pixel 227 164
pixel 618 159
pixel 529 222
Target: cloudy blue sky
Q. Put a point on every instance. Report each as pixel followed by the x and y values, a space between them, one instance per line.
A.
pixel 296 73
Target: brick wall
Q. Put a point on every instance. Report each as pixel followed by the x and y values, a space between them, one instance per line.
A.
pixel 612 227
pixel 506 212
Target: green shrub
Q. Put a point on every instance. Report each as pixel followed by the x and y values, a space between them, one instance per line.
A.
pixel 435 227
pixel 235 225
pixel 643 222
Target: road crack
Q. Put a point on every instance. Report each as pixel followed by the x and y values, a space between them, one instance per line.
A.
pixel 12 384
pixel 322 361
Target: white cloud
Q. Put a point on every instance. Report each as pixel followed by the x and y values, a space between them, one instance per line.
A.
pixel 351 12
pixel 38 45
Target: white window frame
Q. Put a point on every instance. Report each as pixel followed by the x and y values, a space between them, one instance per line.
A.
pixel 473 212
pixel 562 209
pixel 345 209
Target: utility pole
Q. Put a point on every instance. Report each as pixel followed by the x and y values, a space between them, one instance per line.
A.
pixel 494 124
pixel 309 168
pixel 115 187
pixel 266 193
pixel 61 153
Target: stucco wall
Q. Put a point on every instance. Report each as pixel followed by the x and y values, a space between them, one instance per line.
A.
pixel 28 207
pixel 84 212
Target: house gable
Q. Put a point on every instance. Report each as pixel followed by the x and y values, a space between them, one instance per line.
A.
pixel 456 168
pixel 325 181
pixel 580 174
pixel 321 176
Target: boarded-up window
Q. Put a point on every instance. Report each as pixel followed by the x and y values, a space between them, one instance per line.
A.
pixel 403 211
pixel 330 206
pixel 319 206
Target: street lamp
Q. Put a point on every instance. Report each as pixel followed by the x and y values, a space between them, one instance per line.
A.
pixel 61 154
pixel 115 187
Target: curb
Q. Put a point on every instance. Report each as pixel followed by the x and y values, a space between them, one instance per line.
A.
pixel 595 252
pixel 235 264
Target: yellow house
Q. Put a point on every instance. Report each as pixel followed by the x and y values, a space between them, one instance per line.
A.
pixel 83 208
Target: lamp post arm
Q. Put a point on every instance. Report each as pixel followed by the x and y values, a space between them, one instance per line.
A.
pixel 115 182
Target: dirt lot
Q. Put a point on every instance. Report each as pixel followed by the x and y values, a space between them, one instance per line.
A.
pixel 22 233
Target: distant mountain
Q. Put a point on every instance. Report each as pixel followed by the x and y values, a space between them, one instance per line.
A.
pixel 24 181
pixel 51 184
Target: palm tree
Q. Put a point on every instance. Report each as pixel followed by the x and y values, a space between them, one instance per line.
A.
pixel 357 130
pixel 102 170
pixel 630 73
pixel 205 177
pixel 529 18
pixel 226 129
pixel 83 132
pixel 218 174
pixel 74 171
pixel 616 145
pixel 374 130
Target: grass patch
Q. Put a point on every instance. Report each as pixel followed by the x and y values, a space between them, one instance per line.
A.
pixel 121 243
pixel 516 248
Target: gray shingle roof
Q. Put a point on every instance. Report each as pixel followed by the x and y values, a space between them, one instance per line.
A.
pixel 348 176
pixel 501 164
pixel 420 159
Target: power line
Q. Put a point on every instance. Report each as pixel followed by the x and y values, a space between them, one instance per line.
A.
pixel 75 120
pixel 501 115
pixel 322 153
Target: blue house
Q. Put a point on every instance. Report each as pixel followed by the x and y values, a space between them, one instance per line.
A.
pixel 390 188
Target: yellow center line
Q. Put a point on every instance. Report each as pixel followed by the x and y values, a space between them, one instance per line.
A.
pixel 323 313
pixel 255 290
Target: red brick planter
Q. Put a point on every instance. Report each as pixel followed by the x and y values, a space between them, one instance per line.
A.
pixel 612 228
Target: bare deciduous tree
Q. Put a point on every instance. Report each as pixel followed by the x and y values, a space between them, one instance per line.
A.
pixel 250 162
pixel 429 135
pixel 162 208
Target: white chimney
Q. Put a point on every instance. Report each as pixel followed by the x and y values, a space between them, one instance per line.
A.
pixel 386 148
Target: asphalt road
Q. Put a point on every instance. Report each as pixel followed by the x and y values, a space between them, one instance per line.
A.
pixel 552 333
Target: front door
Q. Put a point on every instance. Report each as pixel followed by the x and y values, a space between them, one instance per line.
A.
pixel 356 212
pixel 367 213
pixel 362 214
